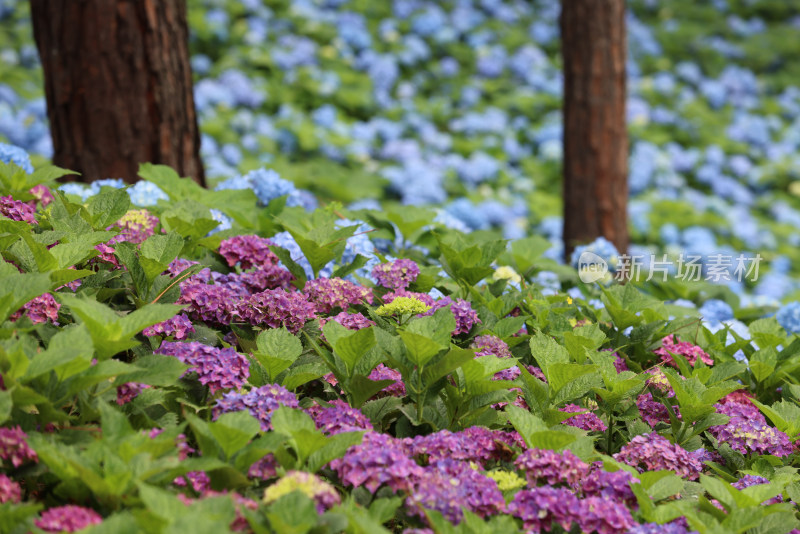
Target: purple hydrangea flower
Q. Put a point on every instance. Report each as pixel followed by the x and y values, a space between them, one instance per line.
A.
pixel 398 274
pixel 612 485
pixel 42 194
pixel 449 486
pixel 198 479
pixel 654 412
pixel 338 417
pixel 585 421
pixel 604 516
pixel 248 251
pixel 178 327
pixel 129 391
pixel 684 348
pixel 651 452
pixel 754 480
pixel 489 344
pixel 67 519
pixel 42 309
pixel 378 460
pixel 265 468
pixel 543 507
pixel 217 368
pixel 276 308
pixel 422 297
pixel 261 402
pixel 551 467
pixel 351 321
pixel 330 293
pixel 381 372
pixel 211 303
pixel 10 491
pixel 135 227
pixel 673 527
pixel 473 444
pixel 16 210
pixel 178 265
pixel 107 256
pixel 462 310
pixel 748 431
pixel 262 278
pixel 14 447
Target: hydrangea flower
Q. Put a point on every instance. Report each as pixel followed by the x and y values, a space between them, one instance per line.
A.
pixel 378 460
pixel 754 480
pixel 145 194
pixel 216 368
pixel 248 251
pixel 10 491
pixel 323 494
pixel 684 348
pixel 330 293
pixel 260 402
pixel 211 303
pixel 603 248
pixel 612 485
pixel 265 468
pixel 178 327
pixel 199 481
pixel 14 447
pixel 651 452
pixel 506 480
pixel 585 421
pixel 716 311
pixel 67 519
pixel 42 309
pixel 604 516
pixel 129 391
pixel 398 274
pixel 338 417
pixel 449 486
pixel 16 155
pixel 654 412
pixel 489 344
pixel 42 194
pixel 381 372
pixel 276 308
pixel 135 227
pixel 673 527
pixel 403 306
pixel 465 316
pixel 543 507
pixel 789 317
pixel 473 444
pixel 16 210
pixel 351 321
pixel 541 465
pixel 747 431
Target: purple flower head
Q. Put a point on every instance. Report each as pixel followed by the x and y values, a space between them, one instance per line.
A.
pixel 197 479
pixel 129 391
pixel 106 256
pixel 449 486
pixel 261 402
pixel 42 194
pixel 651 452
pixel 42 309
pixel 654 412
pixel 747 431
pixel 619 362
pixel 684 348
pixel 465 316
pixel 473 444
pixel 673 527
pixel 338 417
pixel 262 278
pixel 330 293
pixel 541 508
pixel 212 304
pixel 135 227
pixel 604 516
pixel 398 274
pixel 67 519
pixel 612 485
pixel 659 381
pixel 10 491
pixel 381 372
pixel 248 251
pixel 265 468
pixel 754 480
pixel 351 321
pixel 14 447
pixel 16 210
pixel 178 327
pixel 489 344
pixel 276 308
pixel 378 460
pixel 217 368
pixel 551 467
pixel 585 421
pixel 178 265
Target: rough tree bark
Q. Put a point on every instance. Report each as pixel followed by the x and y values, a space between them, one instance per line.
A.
pixel 119 86
pixel 594 48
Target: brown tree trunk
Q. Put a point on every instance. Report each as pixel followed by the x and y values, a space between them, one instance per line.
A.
pixel 594 48
pixel 119 86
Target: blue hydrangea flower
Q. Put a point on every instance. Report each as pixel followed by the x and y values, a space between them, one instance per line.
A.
pixel 600 246
pixel 224 221
pixel 97 185
pixel 74 188
pixel 16 155
pixel 146 193
pixel 789 317
pixel 716 311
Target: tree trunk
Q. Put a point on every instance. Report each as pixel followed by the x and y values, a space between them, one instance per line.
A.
pixel 594 49
pixel 119 86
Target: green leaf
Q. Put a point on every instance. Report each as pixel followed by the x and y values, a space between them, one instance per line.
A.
pixel 162 248
pixel 527 251
pixel 335 447
pixel 107 207
pixel 286 258
pixel 155 370
pixel 234 430
pixel 6 403
pixel 547 352
pixel 353 347
pixel 70 351
pixel 420 348
pixel 525 423
pixel 362 388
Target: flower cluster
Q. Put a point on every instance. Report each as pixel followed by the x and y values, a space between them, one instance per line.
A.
pixel 473 444
pixel 323 494
pixel 654 412
pixel 15 448
pixel 670 344
pixel 338 417
pixel 448 486
pixel 330 293
pixel 381 372
pixel 16 210
pixel 613 485
pixel 211 303
pixel 403 306
pixel 42 309
pixel 651 452
pixel 489 344
pixel 178 327
pixel 351 321
pixel 542 508
pixel 585 421
pixel 465 316
pixel 261 402
pixel 378 460
pixel 135 227
pixel 129 391
pixel 398 274
pixel 216 368
pixel 747 431
pixel 67 519
pixel 10 491
pixel 264 469
pixel 276 308
pixel 106 255
pixel 542 465
pixel 789 317
pixel 754 480
pixel 248 251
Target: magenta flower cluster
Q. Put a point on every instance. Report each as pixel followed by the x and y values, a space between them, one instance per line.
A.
pixel 42 309
pixel 381 372
pixel 378 460
pixel 14 447
pixel 179 327
pixel 16 210
pixel 351 321
pixel 338 417
pixel 129 391
pixel 398 274
pixel 275 308
pixel 748 431
pixel 135 227
pixel 328 294
pixel 754 480
pixel 216 368
pixel 689 351
pixel 67 519
pixel 551 467
pixel 489 344
pixel 652 452
pixel 585 421
pixel 10 491
pixel 248 251
pixel 260 402
pixel 474 444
